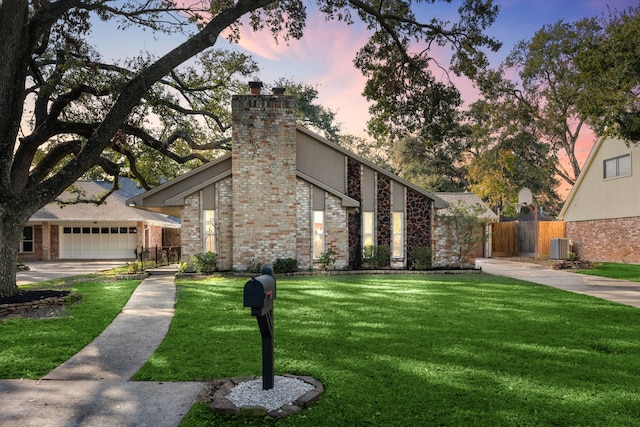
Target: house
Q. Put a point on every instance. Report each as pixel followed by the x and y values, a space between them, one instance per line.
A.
pixel 469 201
pixel 285 192
pixel 602 211
pixel 112 230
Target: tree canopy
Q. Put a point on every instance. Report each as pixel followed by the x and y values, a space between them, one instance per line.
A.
pixel 87 113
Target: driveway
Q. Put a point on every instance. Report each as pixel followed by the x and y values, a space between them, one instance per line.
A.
pixel 40 271
pixel 621 291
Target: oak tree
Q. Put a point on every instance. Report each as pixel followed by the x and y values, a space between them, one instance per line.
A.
pixel 85 111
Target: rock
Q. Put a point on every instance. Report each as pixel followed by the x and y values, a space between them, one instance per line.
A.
pixel 253 411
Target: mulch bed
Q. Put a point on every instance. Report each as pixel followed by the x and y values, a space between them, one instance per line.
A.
pixel 32 296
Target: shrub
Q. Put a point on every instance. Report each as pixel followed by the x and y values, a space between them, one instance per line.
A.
pixel 204 262
pixel 327 258
pixel 376 256
pixel 285 265
pixel 422 258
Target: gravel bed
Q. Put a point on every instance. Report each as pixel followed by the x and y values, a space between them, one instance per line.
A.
pixel 285 391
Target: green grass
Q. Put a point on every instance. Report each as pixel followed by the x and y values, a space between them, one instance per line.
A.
pixel 30 348
pixel 615 271
pixel 416 350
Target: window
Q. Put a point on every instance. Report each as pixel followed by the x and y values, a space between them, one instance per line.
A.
pixel 26 244
pixel 209 230
pixel 318 234
pixel 367 229
pixel 618 166
pixel 397 239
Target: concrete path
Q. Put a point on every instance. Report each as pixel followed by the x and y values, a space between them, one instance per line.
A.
pixel 93 388
pixel 621 291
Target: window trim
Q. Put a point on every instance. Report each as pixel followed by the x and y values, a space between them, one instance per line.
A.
pixel 401 235
pixel 372 232
pixel 617 173
pixel 321 233
pixel 208 224
pixel 31 241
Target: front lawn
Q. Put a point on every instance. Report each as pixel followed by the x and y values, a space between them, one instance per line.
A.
pixel 30 348
pixel 615 271
pixel 416 350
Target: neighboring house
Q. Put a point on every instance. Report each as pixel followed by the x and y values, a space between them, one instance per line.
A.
pixel 469 200
pixel 111 230
pixel 602 211
pixel 285 192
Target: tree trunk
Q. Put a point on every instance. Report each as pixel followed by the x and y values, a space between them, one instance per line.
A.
pixel 11 228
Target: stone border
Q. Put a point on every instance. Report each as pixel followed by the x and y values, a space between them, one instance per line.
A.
pixel 475 270
pixel 20 309
pixel 221 388
pixel 132 276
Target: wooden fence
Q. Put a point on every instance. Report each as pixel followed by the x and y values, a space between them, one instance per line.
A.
pixel 518 238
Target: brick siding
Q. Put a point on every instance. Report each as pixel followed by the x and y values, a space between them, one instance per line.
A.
pixel 612 240
pixel 264 179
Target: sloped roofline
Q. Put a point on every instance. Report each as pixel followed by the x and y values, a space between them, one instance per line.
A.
pixel 136 201
pixel 439 203
pixel 583 173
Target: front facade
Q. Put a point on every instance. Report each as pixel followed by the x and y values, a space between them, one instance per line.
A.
pixel 112 230
pixel 602 211
pixel 285 192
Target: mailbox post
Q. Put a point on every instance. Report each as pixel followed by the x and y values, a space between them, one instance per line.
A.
pixel 259 293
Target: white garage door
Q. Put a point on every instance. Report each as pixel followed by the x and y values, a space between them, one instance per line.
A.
pixel 98 241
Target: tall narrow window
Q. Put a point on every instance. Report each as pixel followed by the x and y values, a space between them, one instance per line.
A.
pixel 617 166
pixel 318 234
pixel 397 241
pixel 209 230
pixel 26 244
pixel 367 229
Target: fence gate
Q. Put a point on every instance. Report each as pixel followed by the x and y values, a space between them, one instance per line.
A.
pixel 518 238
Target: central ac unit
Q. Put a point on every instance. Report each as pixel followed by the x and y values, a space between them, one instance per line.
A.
pixel 559 249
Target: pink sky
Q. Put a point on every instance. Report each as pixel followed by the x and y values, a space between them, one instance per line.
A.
pixel 324 56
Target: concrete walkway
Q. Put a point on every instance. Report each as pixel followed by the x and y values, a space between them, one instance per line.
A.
pixel 93 388
pixel 621 291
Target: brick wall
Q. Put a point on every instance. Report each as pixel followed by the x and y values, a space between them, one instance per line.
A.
pixel 264 179
pixel 445 250
pixel 303 213
pixel 613 240
pixel 224 224
pixel 336 230
pixel 191 227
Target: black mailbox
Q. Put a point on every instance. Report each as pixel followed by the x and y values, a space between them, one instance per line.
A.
pixel 259 294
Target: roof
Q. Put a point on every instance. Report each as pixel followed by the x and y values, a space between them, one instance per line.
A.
pixel 176 189
pixel 115 207
pixel 469 200
pixel 439 202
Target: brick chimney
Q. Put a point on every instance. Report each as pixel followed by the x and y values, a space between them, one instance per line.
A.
pixel 263 178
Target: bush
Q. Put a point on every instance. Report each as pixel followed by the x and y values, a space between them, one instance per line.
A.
pixel 327 258
pixel 204 262
pixel 377 256
pixel 285 265
pixel 422 258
